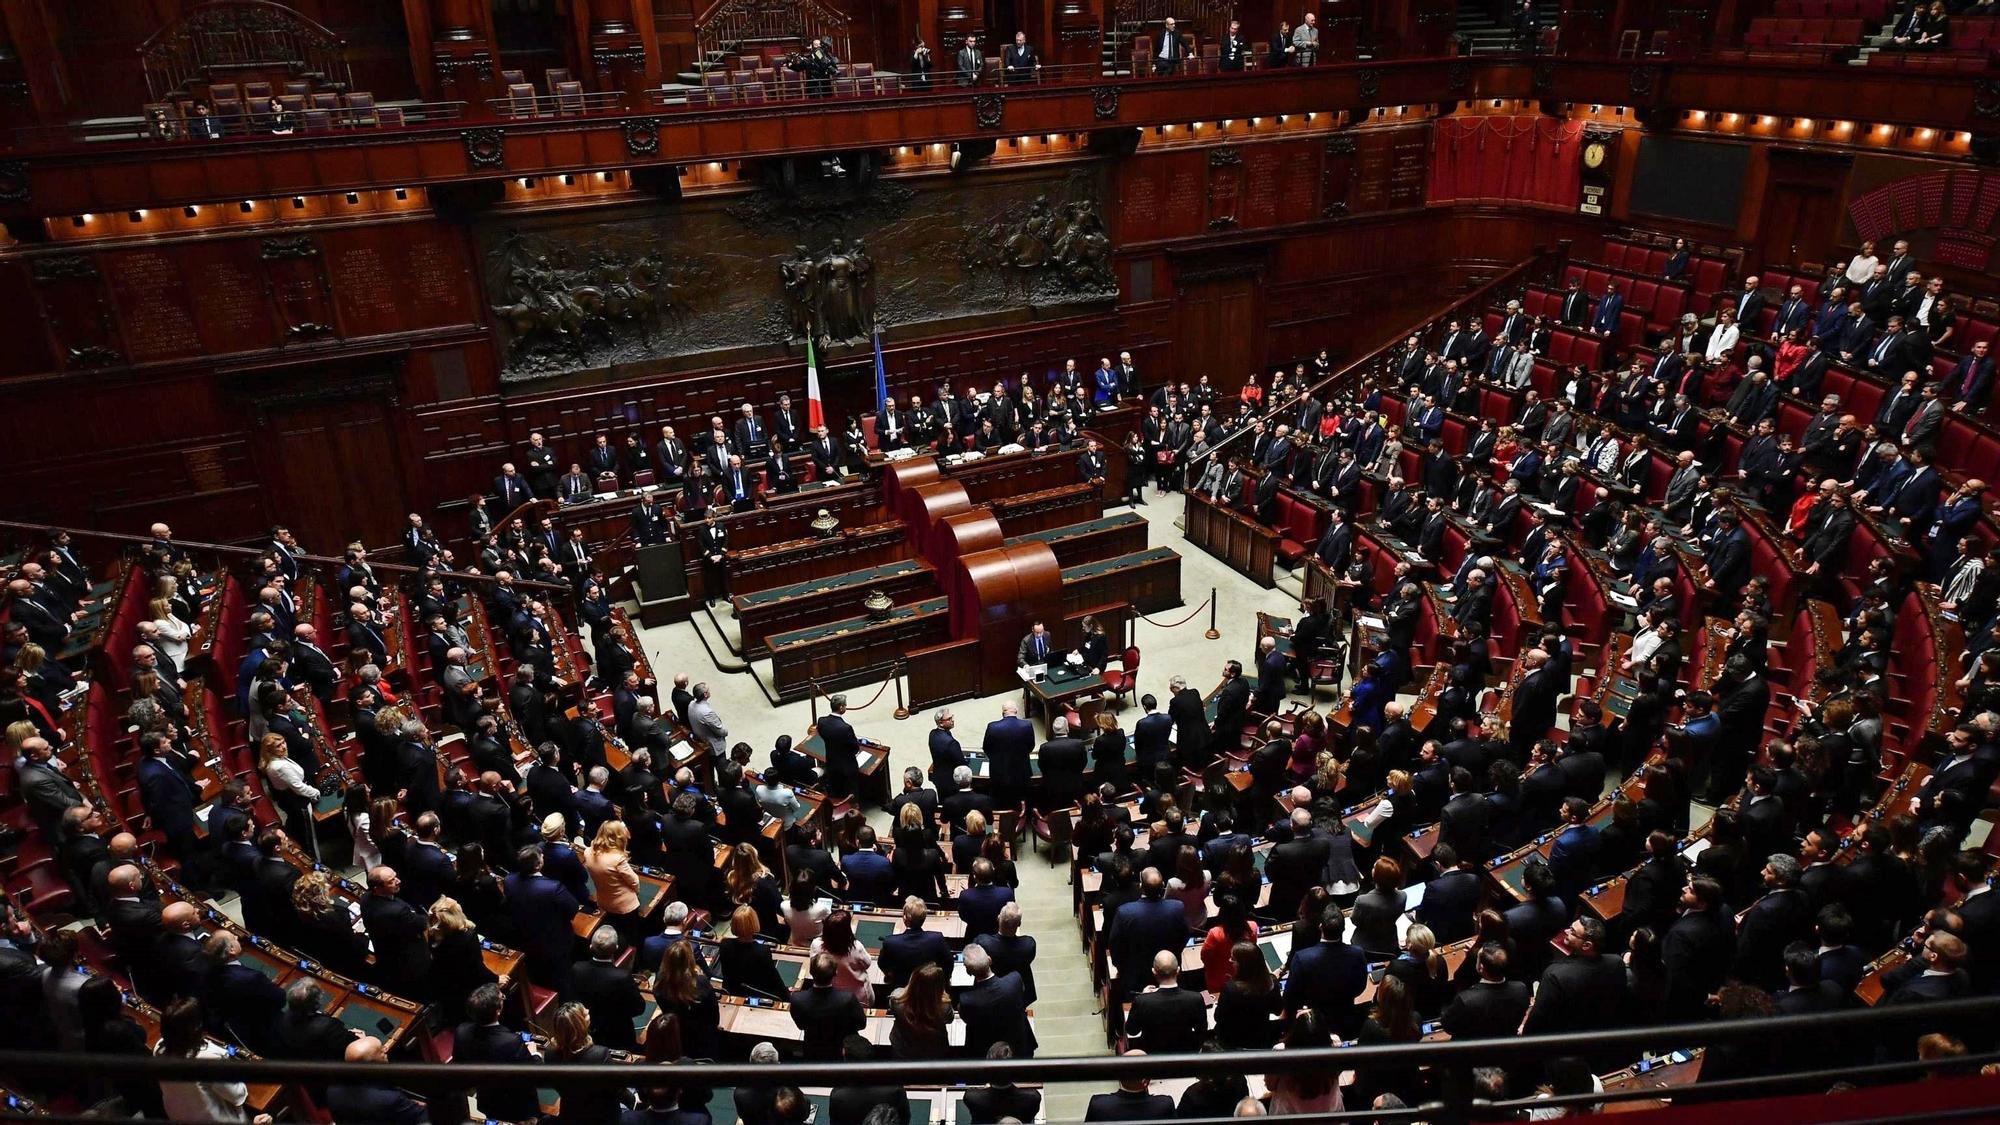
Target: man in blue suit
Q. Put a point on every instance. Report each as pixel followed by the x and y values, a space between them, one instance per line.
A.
pixel 425 870
pixel 1143 927
pixel 871 877
pixel 1152 738
pixel 1604 321
pixel 1573 855
pixel 354 1100
pixel 979 904
pixel 1009 740
pixel 912 947
pixel 1451 899
pixel 842 748
pixel 168 797
pixel 1328 975
pixel 542 910
pixel 241 1002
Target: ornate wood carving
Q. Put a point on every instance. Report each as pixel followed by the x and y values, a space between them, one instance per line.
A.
pixel 642 136
pixel 65 267
pixel 377 385
pixel 1104 102
pixel 485 148
pixel 282 248
pixel 1644 80
pixel 1986 98
pixel 1458 76
pixel 14 182
pixel 987 110
pixel 1369 82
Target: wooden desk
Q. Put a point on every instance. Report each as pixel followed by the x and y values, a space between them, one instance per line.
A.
pixel 802 604
pixel 806 559
pixel 1091 541
pixel 1247 546
pixel 874 779
pixel 853 650
pixel 1666 1077
pixel 1149 579
pixel 1048 508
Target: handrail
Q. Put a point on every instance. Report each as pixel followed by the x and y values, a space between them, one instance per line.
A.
pixel 1456 1054
pixel 1357 367
pixel 248 553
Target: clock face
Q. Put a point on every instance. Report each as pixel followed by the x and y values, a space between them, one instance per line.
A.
pixel 1593 154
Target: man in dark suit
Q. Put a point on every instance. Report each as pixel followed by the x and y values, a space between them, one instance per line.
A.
pixel 1328 975
pixel 609 992
pixel 825 1014
pixel 512 489
pixel 397 931
pixel 986 1105
pixel 1190 718
pixel 1165 1018
pixel 1941 978
pixel 542 910
pixel 1271 669
pixel 1583 990
pixel 353 1099
pixel 1232 707
pixel 995 1008
pixel 854 1104
pixel 1130 1102
pixel 1604 321
pixel 1009 741
pixel 1018 62
pixel 1493 1006
pixel 483 1039
pixel 1152 737
pixel 1462 823
pixel 979 905
pixel 1451 899
pixel 241 1003
pixel 1143 927
pixel 842 748
pixel 1782 916
pixel 168 796
pixel 912 947
pixel 1534 705
pixel 1697 950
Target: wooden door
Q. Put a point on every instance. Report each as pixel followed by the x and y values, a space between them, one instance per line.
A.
pixel 1801 212
pixel 333 472
pixel 1217 329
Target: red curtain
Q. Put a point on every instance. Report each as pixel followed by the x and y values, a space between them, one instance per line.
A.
pixel 1523 159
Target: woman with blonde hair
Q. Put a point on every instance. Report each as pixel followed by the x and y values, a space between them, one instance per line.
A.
pixel 609 861
pixel 745 963
pixel 570 1042
pixel 326 930
pixel 289 789
pixel 174 634
pixel 458 964
pixel 753 885
pixel 922 1009
pixel 168 590
pixel 688 1021
pixel 836 936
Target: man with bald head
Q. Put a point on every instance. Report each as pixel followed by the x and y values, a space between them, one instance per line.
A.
pixel 1167 1019
pixel 402 953
pixel 355 1099
pixel 1534 705
pixel 242 1004
pixel 42 783
pixel 44 627
pixel 174 966
pixel 311 663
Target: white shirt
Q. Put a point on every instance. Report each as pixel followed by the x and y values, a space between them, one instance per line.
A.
pixel 173 638
pixel 1860 269
pixel 1722 340
pixel 207 1100
pixel 288 777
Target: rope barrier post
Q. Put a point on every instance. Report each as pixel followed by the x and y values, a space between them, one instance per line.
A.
pixel 1213 633
pixel 812 702
pixel 902 711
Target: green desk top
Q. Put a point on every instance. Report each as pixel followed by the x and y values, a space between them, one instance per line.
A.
pixel 1071 531
pixel 263 962
pixel 363 1014
pixel 870 933
pixel 836 582
pixel 1122 562
pixel 852 624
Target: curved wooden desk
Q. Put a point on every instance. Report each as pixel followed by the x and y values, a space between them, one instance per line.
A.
pixel 1000 593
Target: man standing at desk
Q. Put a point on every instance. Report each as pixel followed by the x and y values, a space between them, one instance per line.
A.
pixel 1019 60
pixel 842 748
pixel 713 543
pixel 1034 648
pixel 1009 740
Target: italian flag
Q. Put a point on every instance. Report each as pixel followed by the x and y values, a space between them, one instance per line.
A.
pixel 815 412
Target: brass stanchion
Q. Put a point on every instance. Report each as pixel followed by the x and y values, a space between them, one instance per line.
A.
pixel 902 712
pixel 1213 633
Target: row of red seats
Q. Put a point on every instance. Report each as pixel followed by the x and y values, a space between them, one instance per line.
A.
pixel 1704 275
pixel 1767 32
pixel 1974 34
pixel 1873 11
